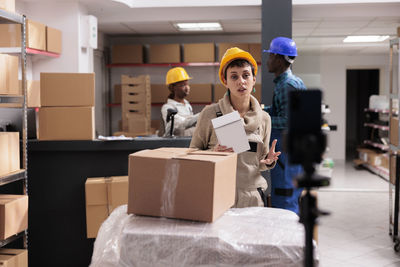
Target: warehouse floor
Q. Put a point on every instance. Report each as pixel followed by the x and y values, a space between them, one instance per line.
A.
pixel 356 233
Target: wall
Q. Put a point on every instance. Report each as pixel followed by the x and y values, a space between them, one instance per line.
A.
pixel 330 70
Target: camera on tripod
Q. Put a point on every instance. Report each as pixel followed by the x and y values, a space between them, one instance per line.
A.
pixel 305 144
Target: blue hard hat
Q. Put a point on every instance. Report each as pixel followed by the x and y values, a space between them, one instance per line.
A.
pixel 282 46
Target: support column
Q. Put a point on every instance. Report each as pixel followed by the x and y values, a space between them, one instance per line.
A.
pixel 276 21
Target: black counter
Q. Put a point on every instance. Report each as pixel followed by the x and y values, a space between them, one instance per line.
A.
pixel 57 171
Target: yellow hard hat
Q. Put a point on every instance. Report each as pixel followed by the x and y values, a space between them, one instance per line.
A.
pixel 175 75
pixel 232 54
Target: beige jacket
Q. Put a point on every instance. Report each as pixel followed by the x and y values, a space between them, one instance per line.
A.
pixel 257 124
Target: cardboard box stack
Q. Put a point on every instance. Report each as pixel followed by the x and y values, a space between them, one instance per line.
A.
pixel 103 195
pixel 38 36
pixel 66 106
pixel 13 215
pixel 136 104
pixel 186 184
pixel 10 257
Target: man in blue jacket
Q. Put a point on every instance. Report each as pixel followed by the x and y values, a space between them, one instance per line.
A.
pixel 282 53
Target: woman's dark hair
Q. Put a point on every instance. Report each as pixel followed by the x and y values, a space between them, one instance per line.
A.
pixel 172 92
pixel 239 63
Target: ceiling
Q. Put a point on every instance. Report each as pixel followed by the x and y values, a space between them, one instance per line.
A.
pixel 316 27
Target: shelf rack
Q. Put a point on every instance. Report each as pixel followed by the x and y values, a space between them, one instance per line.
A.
pixel 394 173
pixel 17 101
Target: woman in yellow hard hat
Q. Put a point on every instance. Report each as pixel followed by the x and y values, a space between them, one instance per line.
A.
pixel 177 106
pixel 237 72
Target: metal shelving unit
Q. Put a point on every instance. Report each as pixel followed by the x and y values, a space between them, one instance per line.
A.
pixel 394 145
pixel 17 101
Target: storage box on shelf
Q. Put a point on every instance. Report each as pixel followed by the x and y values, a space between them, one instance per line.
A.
pixel 374 155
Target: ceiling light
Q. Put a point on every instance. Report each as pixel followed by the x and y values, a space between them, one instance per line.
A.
pixel 202 26
pixel 365 38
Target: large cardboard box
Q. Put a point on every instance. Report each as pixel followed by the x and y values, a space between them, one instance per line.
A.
pixel 66 123
pixel 126 54
pixel 103 195
pixel 200 93
pixel 9 75
pixel 394 131
pixel 10 35
pixel 222 47
pixel 159 93
pixel 392 173
pixel 8 5
pixel 200 52
pixel 135 80
pixel 186 184
pixel 13 215
pixel 36 35
pixel 10 257
pixel 53 40
pixel 255 51
pixel 165 53
pixel 9 152
pixel 67 89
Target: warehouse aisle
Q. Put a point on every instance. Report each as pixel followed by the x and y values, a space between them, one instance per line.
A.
pixel 356 233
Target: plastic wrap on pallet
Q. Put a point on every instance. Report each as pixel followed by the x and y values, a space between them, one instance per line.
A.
pixel 241 237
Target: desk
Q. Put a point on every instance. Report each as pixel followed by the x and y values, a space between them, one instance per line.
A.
pixel 57 171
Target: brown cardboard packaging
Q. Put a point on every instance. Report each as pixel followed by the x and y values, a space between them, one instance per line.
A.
pixel 36 35
pixel 201 52
pixel 66 89
pixel 394 131
pixel 13 215
pixel 138 124
pixel 219 92
pixel 103 195
pixel 33 93
pixel 13 257
pixel 135 80
pixel 117 94
pixel 185 184
pixel 9 152
pixel 66 123
pixel 222 47
pixel 10 35
pixel 165 53
pixel 33 90
pixel 257 93
pixel 159 93
pixel 126 54
pixel 255 51
pixel 200 93
pixel 9 75
pixel 8 5
pixel 53 40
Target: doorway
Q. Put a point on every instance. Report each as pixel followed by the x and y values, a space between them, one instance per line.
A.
pixel 360 85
